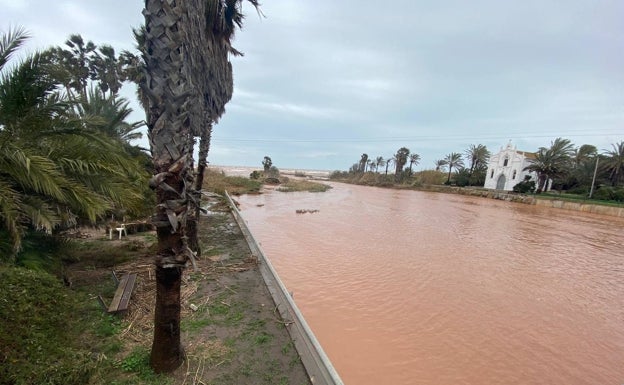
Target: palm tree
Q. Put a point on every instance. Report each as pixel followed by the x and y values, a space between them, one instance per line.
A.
pixel 79 60
pixel 453 159
pixel 379 162
pixel 540 165
pixel 553 162
pixel 113 113
pixel 389 161
pixel 584 153
pixel 440 164
pixel 478 156
pixel 186 55
pixel 400 157
pixel 108 70
pixel 363 162
pixel 372 165
pixel 168 88
pixel 414 159
pixel 614 163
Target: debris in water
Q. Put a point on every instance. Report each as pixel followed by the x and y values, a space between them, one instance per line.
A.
pixel 307 211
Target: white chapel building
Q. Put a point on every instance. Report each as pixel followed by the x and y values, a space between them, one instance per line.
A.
pixel 506 168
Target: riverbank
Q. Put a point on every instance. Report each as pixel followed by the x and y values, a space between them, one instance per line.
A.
pixel 528 199
pixel 553 202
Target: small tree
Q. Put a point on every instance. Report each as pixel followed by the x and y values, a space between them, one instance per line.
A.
pixel 267 163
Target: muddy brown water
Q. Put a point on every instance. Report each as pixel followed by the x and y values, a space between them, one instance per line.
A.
pixel 407 287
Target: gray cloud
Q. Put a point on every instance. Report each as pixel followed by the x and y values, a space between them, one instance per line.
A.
pixel 323 81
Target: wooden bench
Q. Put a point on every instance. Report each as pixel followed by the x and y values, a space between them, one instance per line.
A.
pixel 121 300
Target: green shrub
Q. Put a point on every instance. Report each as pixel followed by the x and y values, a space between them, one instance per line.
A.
pixel 609 193
pixel 525 187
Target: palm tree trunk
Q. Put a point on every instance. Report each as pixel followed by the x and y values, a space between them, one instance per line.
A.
pixel 448 180
pixel 168 131
pixel 204 147
pixel 167 352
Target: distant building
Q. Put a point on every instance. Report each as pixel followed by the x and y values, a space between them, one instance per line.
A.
pixel 506 168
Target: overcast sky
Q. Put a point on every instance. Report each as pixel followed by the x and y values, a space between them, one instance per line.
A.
pixel 323 81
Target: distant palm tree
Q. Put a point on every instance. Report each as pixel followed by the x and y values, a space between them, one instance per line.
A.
pixel 389 161
pixel 414 159
pixel 372 165
pixel 400 159
pixel 108 70
pixel 550 163
pixel 614 163
pixel 440 164
pixel 478 156
pixel 379 162
pixel 363 163
pixel 584 153
pixel 453 159
pixel 79 60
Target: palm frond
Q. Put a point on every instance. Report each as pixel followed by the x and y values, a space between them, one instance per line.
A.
pixel 10 42
pixel 32 172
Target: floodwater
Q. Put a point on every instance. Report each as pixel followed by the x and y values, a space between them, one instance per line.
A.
pixel 407 287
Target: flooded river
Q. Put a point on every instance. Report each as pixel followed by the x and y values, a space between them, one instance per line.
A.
pixel 407 287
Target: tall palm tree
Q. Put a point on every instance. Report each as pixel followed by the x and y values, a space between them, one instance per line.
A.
pixel 614 163
pixel 167 88
pixel 453 159
pixel 186 55
pixel 414 159
pixel 478 155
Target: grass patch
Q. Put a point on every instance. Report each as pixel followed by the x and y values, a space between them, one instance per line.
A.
pixel 577 198
pixel 236 185
pixel 194 325
pixel 302 185
pixel 263 338
pixel 137 364
pixel 36 341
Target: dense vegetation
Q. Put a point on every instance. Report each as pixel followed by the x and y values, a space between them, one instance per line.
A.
pixel 65 156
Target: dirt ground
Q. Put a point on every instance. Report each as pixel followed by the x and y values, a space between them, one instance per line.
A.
pixel 231 331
